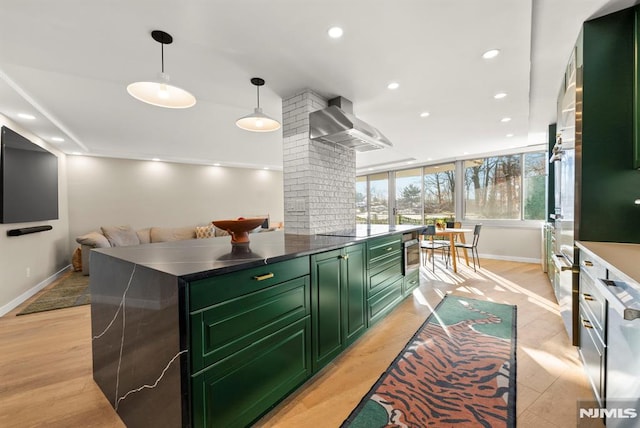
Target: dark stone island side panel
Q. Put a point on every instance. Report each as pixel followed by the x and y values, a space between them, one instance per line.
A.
pixel 135 341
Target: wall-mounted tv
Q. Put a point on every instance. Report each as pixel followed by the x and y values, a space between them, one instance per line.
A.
pixel 29 180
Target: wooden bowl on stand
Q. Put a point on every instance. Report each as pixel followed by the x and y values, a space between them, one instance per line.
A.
pixel 239 228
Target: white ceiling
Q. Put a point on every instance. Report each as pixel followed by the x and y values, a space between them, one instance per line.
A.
pixel 68 63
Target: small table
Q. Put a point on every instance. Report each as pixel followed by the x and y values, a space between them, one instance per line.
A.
pixel 451 233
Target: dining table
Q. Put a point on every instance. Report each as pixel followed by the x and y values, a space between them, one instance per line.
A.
pixel 452 233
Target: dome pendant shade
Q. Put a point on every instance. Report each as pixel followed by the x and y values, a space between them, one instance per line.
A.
pixel 258 121
pixel 159 92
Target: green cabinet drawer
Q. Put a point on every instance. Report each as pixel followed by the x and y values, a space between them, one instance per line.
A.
pixel 381 248
pixel 207 292
pixel 224 328
pixel 383 275
pixel 240 388
pixel 382 303
pixel 410 282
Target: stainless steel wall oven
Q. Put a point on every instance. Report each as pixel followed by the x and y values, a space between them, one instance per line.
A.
pixel 411 256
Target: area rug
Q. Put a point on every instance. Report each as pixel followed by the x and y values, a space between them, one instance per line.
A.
pixel 71 290
pixel 458 370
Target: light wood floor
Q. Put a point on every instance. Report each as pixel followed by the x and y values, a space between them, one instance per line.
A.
pixel 45 359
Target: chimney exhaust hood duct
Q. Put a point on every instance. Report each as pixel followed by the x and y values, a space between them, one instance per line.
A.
pixel 337 124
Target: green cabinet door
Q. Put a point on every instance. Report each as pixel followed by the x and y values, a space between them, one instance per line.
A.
pixel 326 296
pixel 354 309
pixel 338 284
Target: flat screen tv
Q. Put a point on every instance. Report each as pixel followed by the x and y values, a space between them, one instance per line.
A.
pixel 29 177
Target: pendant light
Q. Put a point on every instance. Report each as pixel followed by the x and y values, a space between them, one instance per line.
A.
pixel 160 93
pixel 258 121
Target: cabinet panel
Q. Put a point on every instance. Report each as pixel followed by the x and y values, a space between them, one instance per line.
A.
pixel 217 289
pixel 238 389
pixel 354 303
pixel 411 282
pixel 326 278
pixel 382 276
pixel 227 327
pixel 381 248
pixel 383 302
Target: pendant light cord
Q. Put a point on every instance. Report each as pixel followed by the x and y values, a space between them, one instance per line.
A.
pixel 258 91
pixel 162 55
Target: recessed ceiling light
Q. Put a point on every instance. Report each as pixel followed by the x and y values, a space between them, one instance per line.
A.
pixel 509 135
pixel 500 95
pixel 266 167
pixel 216 164
pixel 57 139
pixel 465 153
pixel 425 114
pixel 492 53
pixel 393 85
pixel 409 162
pixel 505 119
pixel 76 153
pixel 369 169
pixel 26 116
pixel 155 160
pixel 429 159
pixel 335 32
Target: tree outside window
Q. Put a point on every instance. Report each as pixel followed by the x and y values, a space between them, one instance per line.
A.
pixel 439 191
pixel 492 188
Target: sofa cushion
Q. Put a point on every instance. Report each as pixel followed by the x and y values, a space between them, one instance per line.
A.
pixel 167 234
pixel 93 240
pixel 144 235
pixel 120 236
pixel 205 231
pixel 220 232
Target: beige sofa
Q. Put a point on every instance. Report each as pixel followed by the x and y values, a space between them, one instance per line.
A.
pixel 121 236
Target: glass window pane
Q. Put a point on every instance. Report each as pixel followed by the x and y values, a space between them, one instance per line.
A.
pixel 535 165
pixel 379 198
pixel 408 196
pixel 362 212
pixel 492 188
pixel 439 191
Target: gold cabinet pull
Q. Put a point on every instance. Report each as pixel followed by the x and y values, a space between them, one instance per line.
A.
pixel 586 324
pixel 588 263
pixel 263 277
pixel 344 257
pixel 588 296
pixel 389 249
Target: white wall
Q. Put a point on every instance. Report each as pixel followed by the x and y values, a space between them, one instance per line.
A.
pixel 30 262
pixel 516 243
pixel 107 191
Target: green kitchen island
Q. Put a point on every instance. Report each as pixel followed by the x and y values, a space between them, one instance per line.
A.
pixel 197 334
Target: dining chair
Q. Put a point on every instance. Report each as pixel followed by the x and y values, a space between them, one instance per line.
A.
pixel 473 246
pixel 429 243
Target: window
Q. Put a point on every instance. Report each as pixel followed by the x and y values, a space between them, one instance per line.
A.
pixel 492 188
pixel 535 171
pixel 362 211
pixel 379 198
pixel 439 191
pixel 408 196
pixel 506 187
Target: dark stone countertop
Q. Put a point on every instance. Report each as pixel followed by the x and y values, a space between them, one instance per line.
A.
pixel 200 258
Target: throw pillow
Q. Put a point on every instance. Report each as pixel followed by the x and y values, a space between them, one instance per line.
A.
pixel 76 260
pixel 93 240
pixel 205 232
pixel 120 236
pixel 168 234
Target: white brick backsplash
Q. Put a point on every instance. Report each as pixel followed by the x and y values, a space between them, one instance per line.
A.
pixel 319 178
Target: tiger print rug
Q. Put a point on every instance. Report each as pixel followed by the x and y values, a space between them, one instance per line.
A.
pixel 458 370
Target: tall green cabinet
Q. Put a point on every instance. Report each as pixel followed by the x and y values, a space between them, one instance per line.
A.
pixel 337 301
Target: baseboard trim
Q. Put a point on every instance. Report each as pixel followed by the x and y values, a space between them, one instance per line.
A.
pixel 30 292
pixel 511 258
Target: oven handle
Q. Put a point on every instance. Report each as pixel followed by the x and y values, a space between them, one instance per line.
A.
pixel 410 242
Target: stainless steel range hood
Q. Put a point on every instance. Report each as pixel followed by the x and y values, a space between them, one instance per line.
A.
pixel 337 124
